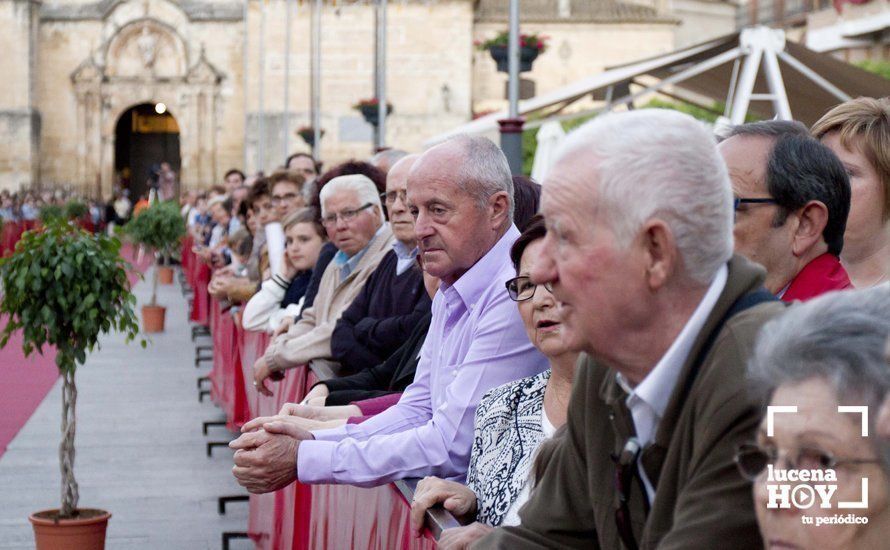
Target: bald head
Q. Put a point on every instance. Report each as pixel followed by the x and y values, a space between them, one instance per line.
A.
pixel 400 218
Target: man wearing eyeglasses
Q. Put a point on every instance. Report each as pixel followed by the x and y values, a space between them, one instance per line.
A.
pixel 792 197
pixel 460 194
pixel 353 217
pixel 638 252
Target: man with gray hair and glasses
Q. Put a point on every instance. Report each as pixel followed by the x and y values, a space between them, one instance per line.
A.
pixel 639 254
pixel 461 196
pixel 353 218
pixel 792 198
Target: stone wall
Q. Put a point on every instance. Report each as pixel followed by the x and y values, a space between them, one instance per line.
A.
pixel 19 121
pixel 429 51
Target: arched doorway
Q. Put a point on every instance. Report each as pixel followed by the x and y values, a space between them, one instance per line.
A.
pixel 146 136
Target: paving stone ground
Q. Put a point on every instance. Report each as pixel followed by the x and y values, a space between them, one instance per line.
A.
pixel 140 449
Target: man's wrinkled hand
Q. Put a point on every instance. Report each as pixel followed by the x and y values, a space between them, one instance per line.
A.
pixel 265 462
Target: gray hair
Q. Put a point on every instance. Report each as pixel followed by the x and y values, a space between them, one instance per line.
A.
pixel 484 170
pixel 839 337
pixel 357 183
pixel 661 163
pixel 387 158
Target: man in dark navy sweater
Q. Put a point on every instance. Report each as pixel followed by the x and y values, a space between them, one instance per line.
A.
pixel 393 301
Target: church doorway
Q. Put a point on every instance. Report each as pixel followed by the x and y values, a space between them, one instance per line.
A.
pixel 146 136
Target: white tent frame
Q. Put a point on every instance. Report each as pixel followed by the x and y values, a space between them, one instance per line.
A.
pixel 756 46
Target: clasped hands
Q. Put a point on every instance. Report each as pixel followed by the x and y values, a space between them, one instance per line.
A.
pixel 266 452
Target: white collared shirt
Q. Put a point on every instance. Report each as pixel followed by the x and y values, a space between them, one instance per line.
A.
pixel 405 258
pixel 650 398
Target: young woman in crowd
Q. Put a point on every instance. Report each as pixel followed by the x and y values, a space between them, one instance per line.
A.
pixel 818 356
pixel 281 295
pixel 858 132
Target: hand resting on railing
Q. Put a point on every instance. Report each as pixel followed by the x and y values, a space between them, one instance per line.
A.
pixel 456 498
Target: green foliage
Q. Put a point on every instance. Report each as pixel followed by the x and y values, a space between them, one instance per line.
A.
pixel 877 66
pixel 51 212
pixel 159 227
pixel 74 210
pixel 64 287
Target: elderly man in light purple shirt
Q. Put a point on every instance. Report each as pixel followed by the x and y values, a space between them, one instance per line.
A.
pixel 461 195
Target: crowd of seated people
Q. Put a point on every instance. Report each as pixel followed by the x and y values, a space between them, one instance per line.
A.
pixel 587 362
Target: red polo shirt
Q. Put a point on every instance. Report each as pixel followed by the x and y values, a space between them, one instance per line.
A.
pixel 821 275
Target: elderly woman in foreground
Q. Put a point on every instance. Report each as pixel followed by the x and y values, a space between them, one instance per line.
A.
pixel 826 354
pixel 512 420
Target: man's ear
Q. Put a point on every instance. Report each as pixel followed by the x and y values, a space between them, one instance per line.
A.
pixel 812 218
pixel 659 252
pixel 499 209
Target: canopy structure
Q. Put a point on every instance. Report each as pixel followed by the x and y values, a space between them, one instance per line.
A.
pixel 752 71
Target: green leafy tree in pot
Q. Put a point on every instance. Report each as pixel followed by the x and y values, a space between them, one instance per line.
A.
pixel 160 228
pixel 63 287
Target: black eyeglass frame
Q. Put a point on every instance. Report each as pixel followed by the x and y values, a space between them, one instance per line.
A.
pixel 738 201
pixel 514 295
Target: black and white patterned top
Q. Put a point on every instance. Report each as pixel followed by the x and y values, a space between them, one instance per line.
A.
pixel 506 435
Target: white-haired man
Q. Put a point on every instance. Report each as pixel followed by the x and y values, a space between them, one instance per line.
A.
pixel 353 217
pixel 639 253
pixel 461 195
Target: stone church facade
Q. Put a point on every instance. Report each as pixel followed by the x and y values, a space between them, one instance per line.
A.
pixel 73 68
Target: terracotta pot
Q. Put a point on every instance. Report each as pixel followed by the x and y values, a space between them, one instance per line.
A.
pixel 86 532
pixel 165 275
pixel 153 318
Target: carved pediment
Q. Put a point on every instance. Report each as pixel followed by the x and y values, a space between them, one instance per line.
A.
pixel 146 49
pixel 203 72
pixel 87 72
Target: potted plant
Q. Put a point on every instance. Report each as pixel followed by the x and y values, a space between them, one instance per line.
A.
pixel 530 47
pixel 369 108
pixel 158 228
pixel 308 134
pixel 63 287
pixel 49 213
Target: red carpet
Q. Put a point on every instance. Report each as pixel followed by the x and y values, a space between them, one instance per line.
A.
pixel 25 382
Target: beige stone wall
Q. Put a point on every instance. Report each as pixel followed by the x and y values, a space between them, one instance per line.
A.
pixel 66 44
pixel 702 20
pixel 19 125
pixel 435 78
pixel 575 51
pixel 429 45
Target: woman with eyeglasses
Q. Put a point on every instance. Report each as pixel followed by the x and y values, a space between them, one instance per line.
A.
pixel 511 421
pixel 819 356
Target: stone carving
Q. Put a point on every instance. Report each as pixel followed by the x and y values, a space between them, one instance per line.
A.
pixel 148 47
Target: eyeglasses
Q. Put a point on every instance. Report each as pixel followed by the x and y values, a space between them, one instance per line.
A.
pixel 522 288
pixel 390 196
pixel 345 215
pixel 752 459
pixel 625 463
pixel 738 201
pixel 287 197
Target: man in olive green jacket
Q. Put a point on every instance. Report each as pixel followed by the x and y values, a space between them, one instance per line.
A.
pixel 639 254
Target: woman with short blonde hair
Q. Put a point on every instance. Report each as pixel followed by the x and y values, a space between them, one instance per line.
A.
pixel 858 132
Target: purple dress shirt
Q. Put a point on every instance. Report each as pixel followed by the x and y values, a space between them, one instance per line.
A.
pixel 477 341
